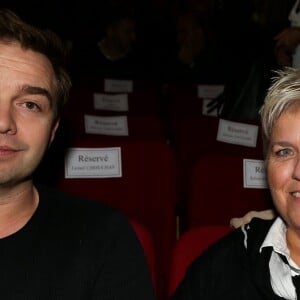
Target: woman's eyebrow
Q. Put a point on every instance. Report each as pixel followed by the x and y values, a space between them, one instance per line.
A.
pixel 281 143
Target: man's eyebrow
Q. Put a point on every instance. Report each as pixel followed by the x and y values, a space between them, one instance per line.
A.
pixel 36 90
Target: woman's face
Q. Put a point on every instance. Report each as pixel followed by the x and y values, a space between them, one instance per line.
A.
pixel 283 167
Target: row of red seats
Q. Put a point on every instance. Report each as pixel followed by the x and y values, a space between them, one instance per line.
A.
pixel 136 177
pixel 110 96
pixel 140 178
pixel 164 170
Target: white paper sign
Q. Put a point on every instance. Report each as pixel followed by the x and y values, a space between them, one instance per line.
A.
pixel 213 113
pixel 237 133
pixel 112 102
pixel 93 163
pixel 209 91
pixel 106 125
pixel 118 86
pixel 254 174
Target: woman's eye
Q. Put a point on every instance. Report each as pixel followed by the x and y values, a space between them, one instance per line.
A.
pixel 284 152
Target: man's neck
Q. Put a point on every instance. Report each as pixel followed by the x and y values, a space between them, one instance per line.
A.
pixel 17 205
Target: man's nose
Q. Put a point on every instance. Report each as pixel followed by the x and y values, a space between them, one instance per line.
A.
pixel 7 120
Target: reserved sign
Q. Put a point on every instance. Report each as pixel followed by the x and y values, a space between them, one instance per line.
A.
pixel 237 133
pixel 254 174
pixel 118 86
pixel 106 125
pixel 210 91
pixel 93 162
pixel 112 102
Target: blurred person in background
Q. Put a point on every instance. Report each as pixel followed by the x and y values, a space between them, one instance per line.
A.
pixel 108 51
pixel 195 56
pixel 287 48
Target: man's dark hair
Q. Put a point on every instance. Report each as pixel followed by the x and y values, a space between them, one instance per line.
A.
pixel 46 42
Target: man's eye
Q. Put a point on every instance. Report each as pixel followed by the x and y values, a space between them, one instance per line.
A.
pixel 31 106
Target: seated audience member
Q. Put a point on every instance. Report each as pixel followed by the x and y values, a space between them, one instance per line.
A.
pixel 287 42
pixel 261 260
pixel 53 245
pixel 196 57
pixel 110 55
pixel 287 49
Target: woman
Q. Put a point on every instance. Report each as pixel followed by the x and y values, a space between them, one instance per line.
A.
pixel 261 260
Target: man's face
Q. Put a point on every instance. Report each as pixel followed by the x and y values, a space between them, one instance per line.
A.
pixel 27 106
pixel 123 35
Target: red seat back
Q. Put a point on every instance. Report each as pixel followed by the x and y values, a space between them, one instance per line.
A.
pixel 217 192
pixel 190 245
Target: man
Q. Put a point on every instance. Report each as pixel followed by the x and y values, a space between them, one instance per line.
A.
pixel 53 246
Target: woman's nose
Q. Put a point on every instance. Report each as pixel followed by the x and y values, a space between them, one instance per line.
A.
pixel 296 170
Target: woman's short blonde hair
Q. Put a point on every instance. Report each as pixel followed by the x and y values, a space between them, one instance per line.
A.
pixel 283 93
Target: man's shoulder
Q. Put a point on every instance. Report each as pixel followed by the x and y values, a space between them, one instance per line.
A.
pixel 65 208
pixel 54 196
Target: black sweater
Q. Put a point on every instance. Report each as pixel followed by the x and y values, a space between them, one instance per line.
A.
pixel 229 271
pixel 73 248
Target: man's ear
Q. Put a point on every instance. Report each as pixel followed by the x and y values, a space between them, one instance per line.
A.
pixel 53 131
